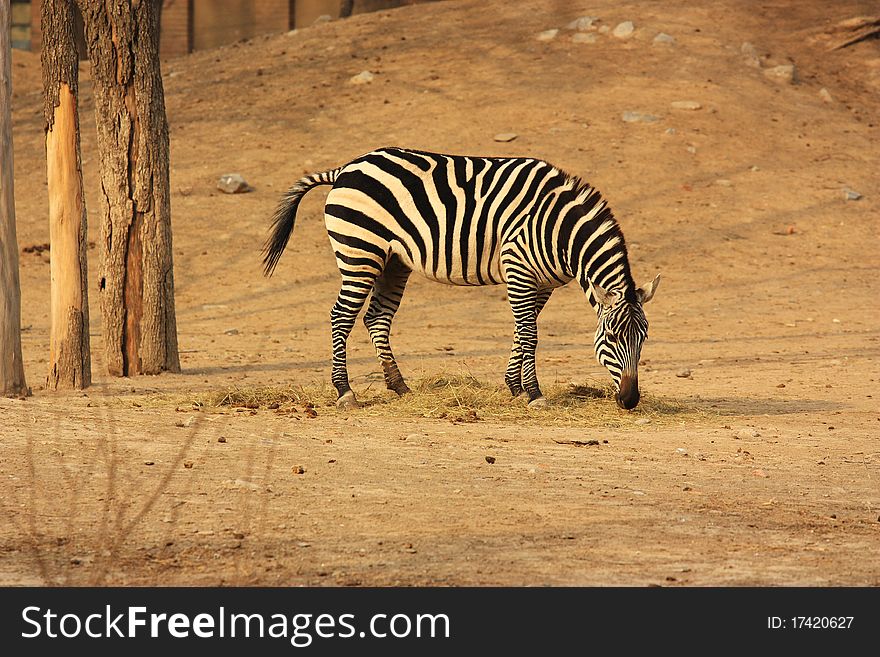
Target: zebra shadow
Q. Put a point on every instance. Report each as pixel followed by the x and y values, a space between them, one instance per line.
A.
pixel 746 406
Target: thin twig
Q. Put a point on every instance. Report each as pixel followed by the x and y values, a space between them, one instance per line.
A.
pixel 874 31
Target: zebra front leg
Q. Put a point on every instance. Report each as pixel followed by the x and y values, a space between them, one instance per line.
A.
pixel 342 318
pixel 513 377
pixel 523 302
pixel 387 295
pixel 513 374
pixel 529 341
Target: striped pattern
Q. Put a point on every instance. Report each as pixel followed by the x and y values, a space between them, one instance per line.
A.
pixel 470 221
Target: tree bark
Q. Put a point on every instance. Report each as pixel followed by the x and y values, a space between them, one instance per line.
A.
pixel 136 281
pixel 12 381
pixel 69 355
pixel 345 8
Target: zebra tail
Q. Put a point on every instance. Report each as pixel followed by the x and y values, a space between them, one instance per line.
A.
pixel 285 216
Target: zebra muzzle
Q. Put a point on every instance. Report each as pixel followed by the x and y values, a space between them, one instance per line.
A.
pixel 628 396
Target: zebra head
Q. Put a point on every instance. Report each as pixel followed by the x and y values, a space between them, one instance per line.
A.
pixel 620 333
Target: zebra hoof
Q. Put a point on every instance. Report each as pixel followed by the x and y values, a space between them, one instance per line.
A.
pixel 540 402
pixel 401 390
pixel 347 401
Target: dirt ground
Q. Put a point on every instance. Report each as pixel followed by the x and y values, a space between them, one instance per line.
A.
pixel 771 476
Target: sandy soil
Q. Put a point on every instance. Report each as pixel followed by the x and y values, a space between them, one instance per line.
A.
pixel 768 298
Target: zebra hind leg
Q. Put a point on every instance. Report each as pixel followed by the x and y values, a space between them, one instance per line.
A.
pixel 386 300
pixel 351 299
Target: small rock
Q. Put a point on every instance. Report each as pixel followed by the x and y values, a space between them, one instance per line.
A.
pixel 851 194
pixel 643 421
pixel 663 39
pixel 233 183
pixel 490 459
pixel 669 131
pixel 723 182
pixel 747 433
pixel 686 105
pixel 835 321
pixel 783 74
pixel 188 465
pixel 760 473
pixel 750 54
pixel 221 439
pixel 692 150
pixel 149 463
pixel 364 77
pixel 505 136
pixel 681 450
pixel 825 95
pixel 683 374
pixel 780 385
pixel 582 24
pixel 298 469
pixel 639 117
pixel 754 167
pixel 604 29
pixel 624 30
pixel 242 484
pixel 584 37
pixel 303 544
pixel 230 332
pixel 323 18
pixel 547 35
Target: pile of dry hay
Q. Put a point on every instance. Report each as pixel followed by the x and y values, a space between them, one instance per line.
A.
pixel 462 398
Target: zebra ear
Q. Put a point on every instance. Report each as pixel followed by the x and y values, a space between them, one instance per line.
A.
pixel 603 297
pixel 646 292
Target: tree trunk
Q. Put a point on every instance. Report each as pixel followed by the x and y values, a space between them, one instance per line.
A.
pixel 11 366
pixel 345 8
pixel 136 281
pixel 69 357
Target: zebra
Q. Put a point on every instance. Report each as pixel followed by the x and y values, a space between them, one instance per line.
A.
pixel 463 220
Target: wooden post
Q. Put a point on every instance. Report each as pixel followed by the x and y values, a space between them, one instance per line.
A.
pixel 12 381
pixel 136 280
pixel 69 356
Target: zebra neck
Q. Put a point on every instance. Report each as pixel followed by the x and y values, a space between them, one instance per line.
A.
pixel 616 281
pixel 592 246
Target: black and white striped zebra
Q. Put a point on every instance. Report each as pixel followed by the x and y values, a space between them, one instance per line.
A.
pixel 472 221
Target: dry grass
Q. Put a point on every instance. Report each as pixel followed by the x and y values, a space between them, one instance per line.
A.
pixel 462 398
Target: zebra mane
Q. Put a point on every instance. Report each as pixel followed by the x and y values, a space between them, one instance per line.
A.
pixel 583 191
